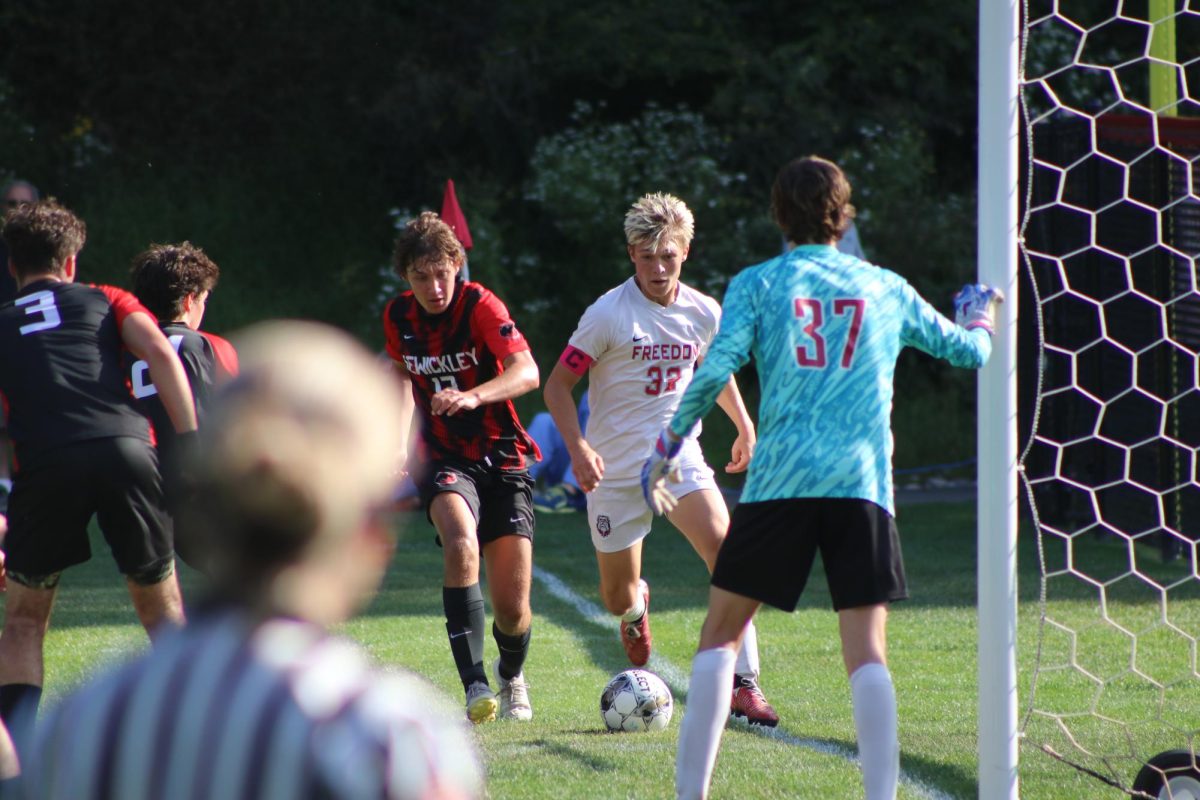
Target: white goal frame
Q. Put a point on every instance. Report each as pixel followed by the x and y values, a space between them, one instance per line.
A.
pixel 997 504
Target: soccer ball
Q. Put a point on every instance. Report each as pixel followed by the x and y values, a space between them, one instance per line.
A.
pixel 636 700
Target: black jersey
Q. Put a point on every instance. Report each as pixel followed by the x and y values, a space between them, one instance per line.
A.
pixel 60 366
pixel 207 360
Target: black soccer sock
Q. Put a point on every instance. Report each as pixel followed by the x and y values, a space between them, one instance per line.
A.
pixel 513 650
pixel 18 710
pixel 465 627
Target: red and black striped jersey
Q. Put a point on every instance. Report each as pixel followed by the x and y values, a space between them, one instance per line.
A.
pixel 208 361
pixel 460 348
pixel 60 366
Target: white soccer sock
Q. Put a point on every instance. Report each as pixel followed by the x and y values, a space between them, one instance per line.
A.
pixel 874 700
pixel 700 731
pixel 747 655
pixel 639 607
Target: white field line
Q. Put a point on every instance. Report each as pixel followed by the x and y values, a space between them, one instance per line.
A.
pixel 677 680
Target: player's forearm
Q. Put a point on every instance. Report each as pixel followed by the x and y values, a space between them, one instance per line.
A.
pixel 561 405
pixel 517 379
pixel 700 397
pixel 730 401
pixel 173 388
pixel 407 410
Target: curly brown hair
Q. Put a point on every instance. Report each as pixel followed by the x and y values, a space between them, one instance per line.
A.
pixel 41 237
pixel 810 201
pixel 425 240
pixel 164 275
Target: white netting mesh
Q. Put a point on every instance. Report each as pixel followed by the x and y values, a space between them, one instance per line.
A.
pixel 1108 377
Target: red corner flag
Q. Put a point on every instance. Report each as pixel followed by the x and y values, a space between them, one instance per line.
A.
pixel 452 215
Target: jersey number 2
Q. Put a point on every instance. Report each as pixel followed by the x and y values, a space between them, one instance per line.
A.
pixel 142 386
pixel 659 382
pixel 811 313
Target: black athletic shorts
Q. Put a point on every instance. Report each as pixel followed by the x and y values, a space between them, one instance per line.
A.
pixel 501 500
pixel 771 545
pixel 55 495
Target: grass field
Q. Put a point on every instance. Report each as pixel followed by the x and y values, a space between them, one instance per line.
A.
pixel 564 752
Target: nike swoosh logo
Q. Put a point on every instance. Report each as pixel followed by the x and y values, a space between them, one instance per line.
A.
pixel 460 633
pixel 409 336
pixel 643 337
pixel 516 519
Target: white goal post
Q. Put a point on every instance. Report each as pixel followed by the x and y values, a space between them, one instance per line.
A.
pixel 999 124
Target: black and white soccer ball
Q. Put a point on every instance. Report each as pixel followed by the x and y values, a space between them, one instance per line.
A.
pixel 636 700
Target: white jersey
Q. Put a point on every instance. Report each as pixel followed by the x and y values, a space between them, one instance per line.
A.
pixel 643 356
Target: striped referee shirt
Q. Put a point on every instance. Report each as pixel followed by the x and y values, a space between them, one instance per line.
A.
pixel 224 710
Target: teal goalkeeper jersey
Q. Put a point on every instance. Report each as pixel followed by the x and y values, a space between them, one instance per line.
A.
pixel 825 330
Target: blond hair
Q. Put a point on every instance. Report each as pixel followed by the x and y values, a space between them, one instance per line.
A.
pixel 657 218
pixel 297 451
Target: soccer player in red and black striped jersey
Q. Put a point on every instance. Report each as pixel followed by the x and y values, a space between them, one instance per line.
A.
pixel 81 446
pixel 175 282
pixel 461 360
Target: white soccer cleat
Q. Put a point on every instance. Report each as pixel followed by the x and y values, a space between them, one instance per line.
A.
pixel 481 703
pixel 513 694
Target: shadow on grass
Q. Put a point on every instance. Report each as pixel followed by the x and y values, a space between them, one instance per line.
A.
pixel 938 539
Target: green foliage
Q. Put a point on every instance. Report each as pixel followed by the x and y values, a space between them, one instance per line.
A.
pixel 586 176
pixel 277 134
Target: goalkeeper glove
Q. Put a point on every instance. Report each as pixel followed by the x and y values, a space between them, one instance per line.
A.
pixel 975 306
pixel 662 464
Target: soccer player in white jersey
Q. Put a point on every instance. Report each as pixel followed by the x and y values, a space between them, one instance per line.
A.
pixel 825 330
pixel 641 342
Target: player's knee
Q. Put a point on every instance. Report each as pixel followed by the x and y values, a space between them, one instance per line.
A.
pixel 513 619
pixel 618 600
pixel 24 627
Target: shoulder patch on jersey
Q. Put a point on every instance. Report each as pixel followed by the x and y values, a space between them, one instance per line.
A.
pixel 507 329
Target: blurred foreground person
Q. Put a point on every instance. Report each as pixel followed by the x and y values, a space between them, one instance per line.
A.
pixel 254 699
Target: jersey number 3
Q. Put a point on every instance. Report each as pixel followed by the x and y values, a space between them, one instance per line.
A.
pixel 40 303
pixel 811 313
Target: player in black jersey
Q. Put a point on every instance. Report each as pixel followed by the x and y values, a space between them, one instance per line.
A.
pixel 81 446
pixel 254 699
pixel 175 282
pixel 462 360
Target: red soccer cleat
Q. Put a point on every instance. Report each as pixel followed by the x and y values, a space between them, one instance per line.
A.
pixel 748 701
pixel 636 635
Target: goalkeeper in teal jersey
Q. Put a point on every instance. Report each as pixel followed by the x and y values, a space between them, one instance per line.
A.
pixel 825 330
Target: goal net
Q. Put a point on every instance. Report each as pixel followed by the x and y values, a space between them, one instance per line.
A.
pixel 1108 397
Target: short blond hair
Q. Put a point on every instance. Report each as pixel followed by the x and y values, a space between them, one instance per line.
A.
pixel 659 217
pixel 297 452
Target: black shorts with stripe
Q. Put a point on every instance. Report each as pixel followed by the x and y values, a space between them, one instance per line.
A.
pixel 769 552
pixel 501 500
pixel 56 494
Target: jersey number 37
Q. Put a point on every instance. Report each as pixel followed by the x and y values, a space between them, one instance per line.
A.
pixel 811 313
